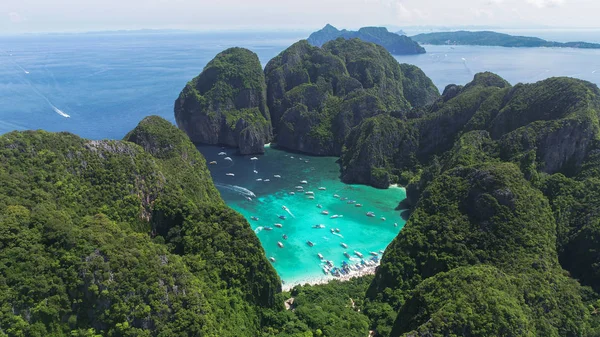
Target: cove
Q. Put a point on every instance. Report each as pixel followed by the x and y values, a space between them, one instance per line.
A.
pixel 258 186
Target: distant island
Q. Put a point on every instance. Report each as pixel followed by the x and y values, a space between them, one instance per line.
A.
pixel 394 43
pixel 488 38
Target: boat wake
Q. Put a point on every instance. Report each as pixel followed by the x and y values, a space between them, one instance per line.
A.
pixel 338 234
pixel 258 230
pixel 237 189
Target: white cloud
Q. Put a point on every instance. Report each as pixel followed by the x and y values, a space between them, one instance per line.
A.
pixel 546 3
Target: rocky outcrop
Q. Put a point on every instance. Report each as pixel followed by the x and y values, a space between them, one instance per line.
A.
pixel 226 104
pixel 317 95
pixel 395 43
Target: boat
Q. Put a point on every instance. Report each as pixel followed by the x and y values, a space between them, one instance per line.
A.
pixel 346 255
pixel 322 188
pixel 276 176
pixel 332 230
pixel 248 198
pixel 351 202
pixel 272 259
pixel 259 179
pixel 344 245
pixel 320 256
pixel 278 225
pixel 213 163
pixel 325 270
pixel 304 182
pixel 395 224
pixel 370 214
pixel 253 158
pixel 284 236
pixel 255 171
pixel 299 187
pixel 344 198
pixel 309 193
pixel 357 205
pixel 230 174
pixel 267 228
pixel 301 159
pixel 292 193
pixel 291 157
pixel 282 217
pixel 228 158
pixel 336 196
pixel 358 254
pixel 309 243
pixel 325 212
pixel 267 180
pixel 334 216
pixel 319 226
pixel 279 244
pixel 337 230
pixel 254 218
pixel 311 197
pixel 284 208
pixel 381 252
pixel 222 154
pixel 382 218
pixel 374 253
pixel 319 206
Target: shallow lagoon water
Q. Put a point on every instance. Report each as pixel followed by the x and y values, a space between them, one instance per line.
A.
pixel 296 261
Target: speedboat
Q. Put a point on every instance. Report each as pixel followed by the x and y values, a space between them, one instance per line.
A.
pixel 374 253
pixel 259 179
pixel 292 193
pixel 267 180
pixel 228 158
pixel 395 224
pixel 346 255
pixel 322 188
pixel 248 198
pixel 319 206
pixel 325 270
pixel 382 218
pixel 255 171
pixel 267 228
pixel 344 245
pixel 325 212
pixel 332 230
pixel 304 182
pixel 337 230
pixel 309 243
pixel 253 158
pixel 254 218
pixel 272 259
pixel 299 187
pixel 279 244
pixel 381 252
pixel 309 193
pixel 277 176
pixel 344 198
pixel 291 157
pixel 334 216
pixel 278 225
pixel 213 162
pixel 370 214
pixel 358 254
pixel 350 201
pixel 336 196
pixel 284 236
pixel 311 197
pixel 282 217
pixel 222 154
pixel 319 226
pixel 230 174
pixel 320 256
pixel 358 205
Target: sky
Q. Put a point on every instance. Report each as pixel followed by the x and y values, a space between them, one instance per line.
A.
pixel 26 16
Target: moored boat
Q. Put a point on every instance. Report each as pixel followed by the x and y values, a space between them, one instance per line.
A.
pixel 322 188
pixel 382 218
pixel 344 245
pixel 346 255
pixel 336 196
pixel 284 236
pixel 319 206
pixel 213 163
pixel 230 174
pixel 358 254
pixel 319 226
pixel 370 214
pixel 374 253
pixel 254 218
pixel 325 212
pixel 279 244
pixel 309 193
pixel 272 259
pixel 267 228
pixel 277 176
pixel 303 182
pixel 222 154
pixel 278 225
pixel 320 256
pixel 282 217
pixel 334 216
pixel 228 158
pixel 310 243
pixel 358 205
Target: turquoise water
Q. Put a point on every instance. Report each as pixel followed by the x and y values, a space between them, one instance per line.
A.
pixel 296 261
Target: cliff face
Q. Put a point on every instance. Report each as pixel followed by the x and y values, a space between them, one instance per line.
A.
pixel 317 95
pixel 226 104
pixel 397 44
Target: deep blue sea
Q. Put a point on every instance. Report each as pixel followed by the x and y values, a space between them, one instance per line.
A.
pixel 106 83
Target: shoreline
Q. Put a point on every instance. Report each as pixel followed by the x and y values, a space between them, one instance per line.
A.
pixel 324 279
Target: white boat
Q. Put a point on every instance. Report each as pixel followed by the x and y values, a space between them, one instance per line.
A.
pixel 336 196
pixel 228 158
pixel 346 254
pixel 280 244
pixel 222 154
pixel 382 218
pixel 254 218
pixel 395 224
pixel 319 226
pixel 301 159
pixel 319 206
pixel 309 193
pixel 350 201
pixel 322 188
pixel 292 193
pixel 374 253
pixel 334 216
pixel 272 259
pixel 310 243
pixel 299 187
pixel 230 174
pixel 358 205
pixel 253 158
pixel 337 230
pixel 358 254
pixel 255 171
pixel 267 180
pixel 325 212
pixel 291 157
pixel 304 182
pixel 277 176
pixel 259 179
pixel 311 197
pixel 213 163
pixel 370 214
pixel 332 231
pixel 320 256
pixel 344 245
pixel 278 225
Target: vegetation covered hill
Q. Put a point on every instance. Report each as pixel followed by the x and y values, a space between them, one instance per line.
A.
pixel 395 43
pixel 123 238
pixel 487 38
pixel 317 95
pixel 226 103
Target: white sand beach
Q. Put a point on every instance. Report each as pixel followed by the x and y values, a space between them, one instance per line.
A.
pixel 366 270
